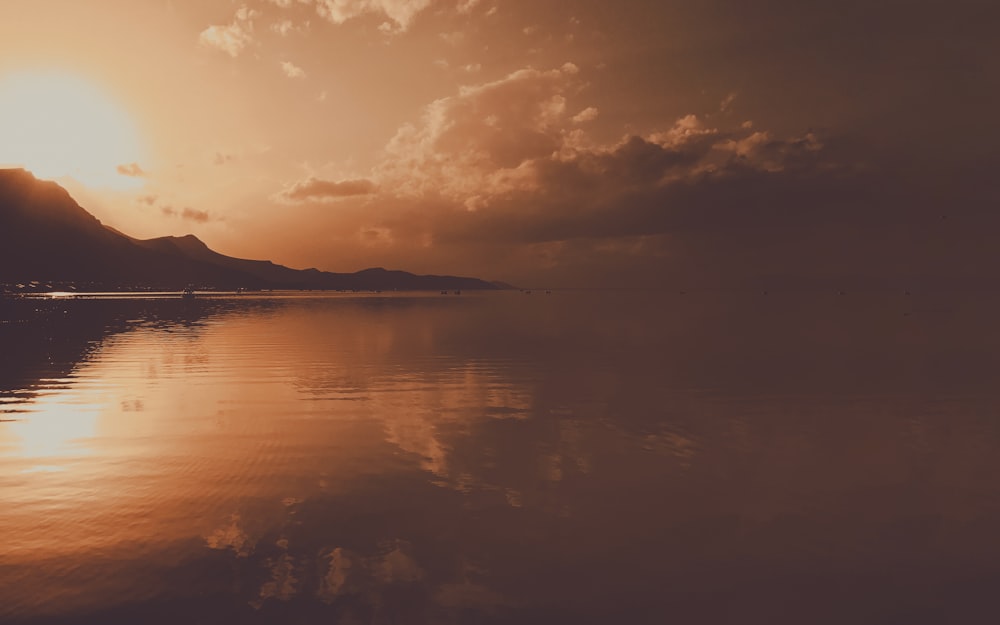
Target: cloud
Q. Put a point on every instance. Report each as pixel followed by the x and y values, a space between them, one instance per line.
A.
pixel 234 37
pixel 588 114
pixel 452 38
pixel 482 140
pixel 132 170
pixel 195 215
pixel 283 27
pixel 506 178
pixel 727 102
pixel 655 185
pixel 401 12
pixel 188 213
pixel 501 174
pixel 291 70
pixel 316 189
pixel 375 235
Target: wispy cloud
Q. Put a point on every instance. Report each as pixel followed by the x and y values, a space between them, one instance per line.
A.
pixel 234 37
pixel 588 114
pixel 317 189
pixel 727 102
pixel 292 70
pixel 186 213
pixel 400 12
pixel 221 158
pixel 283 27
pixel 131 169
pixel 195 215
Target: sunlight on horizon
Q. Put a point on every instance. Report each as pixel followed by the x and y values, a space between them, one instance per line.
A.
pixel 58 125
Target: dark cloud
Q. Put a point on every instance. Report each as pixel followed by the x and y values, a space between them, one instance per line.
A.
pixel 188 213
pixel 195 215
pixel 641 188
pixel 316 189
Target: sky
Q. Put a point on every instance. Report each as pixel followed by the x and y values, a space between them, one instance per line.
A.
pixel 709 143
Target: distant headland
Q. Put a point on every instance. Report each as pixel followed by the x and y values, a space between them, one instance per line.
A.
pixel 48 242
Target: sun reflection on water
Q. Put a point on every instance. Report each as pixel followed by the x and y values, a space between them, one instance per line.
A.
pixel 56 428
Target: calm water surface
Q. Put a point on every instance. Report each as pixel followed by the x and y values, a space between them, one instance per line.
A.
pixel 580 457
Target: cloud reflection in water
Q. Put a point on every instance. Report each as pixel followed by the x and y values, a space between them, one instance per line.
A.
pixel 387 458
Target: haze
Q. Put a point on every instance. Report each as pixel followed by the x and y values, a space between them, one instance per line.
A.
pixel 573 144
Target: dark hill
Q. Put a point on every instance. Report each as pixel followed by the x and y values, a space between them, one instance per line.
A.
pixel 46 237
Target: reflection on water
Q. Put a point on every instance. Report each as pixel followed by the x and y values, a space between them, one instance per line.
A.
pixel 584 457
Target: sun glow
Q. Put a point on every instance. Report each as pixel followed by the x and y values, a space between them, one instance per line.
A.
pixel 57 125
pixel 57 427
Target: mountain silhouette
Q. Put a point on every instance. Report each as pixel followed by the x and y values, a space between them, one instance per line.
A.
pixel 47 240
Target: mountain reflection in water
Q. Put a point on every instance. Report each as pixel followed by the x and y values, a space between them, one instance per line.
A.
pixel 584 457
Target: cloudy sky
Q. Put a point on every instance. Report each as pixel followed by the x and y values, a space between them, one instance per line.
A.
pixel 555 142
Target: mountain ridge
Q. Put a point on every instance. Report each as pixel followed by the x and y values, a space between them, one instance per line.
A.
pixel 48 240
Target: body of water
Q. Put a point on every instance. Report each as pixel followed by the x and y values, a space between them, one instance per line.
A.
pixel 579 457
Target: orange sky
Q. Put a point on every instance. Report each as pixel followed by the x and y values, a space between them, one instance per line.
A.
pixel 571 143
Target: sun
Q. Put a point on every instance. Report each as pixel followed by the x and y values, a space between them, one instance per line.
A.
pixel 57 124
